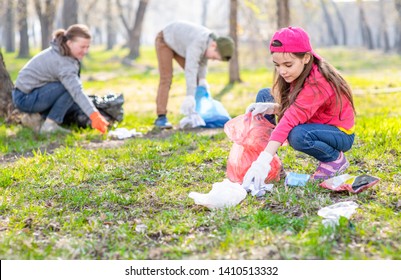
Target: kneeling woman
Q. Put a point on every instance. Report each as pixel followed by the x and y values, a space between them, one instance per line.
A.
pixel 50 83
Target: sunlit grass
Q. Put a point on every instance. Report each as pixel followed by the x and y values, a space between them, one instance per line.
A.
pixel 83 196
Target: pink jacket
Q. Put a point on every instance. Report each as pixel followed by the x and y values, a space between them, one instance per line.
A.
pixel 316 103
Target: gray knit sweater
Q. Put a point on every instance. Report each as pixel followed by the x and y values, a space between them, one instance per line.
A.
pixel 50 66
pixel 191 42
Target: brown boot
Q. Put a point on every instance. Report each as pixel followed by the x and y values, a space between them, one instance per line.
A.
pixel 33 121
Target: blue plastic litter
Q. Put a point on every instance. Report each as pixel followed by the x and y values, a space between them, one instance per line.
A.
pixel 296 180
pixel 212 111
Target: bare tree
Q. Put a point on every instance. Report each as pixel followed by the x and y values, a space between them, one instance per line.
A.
pixel 342 22
pixel 365 29
pixel 383 40
pixel 110 26
pixel 90 7
pixel 234 64
pixel 134 31
pixel 9 28
pixel 93 18
pixel 6 86
pixel 46 12
pixel 23 28
pixel 332 34
pixel 397 4
pixel 205 4
pixel 283 13
pixel 70 13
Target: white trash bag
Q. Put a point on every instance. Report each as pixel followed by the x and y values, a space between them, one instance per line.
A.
pixel 223 194
pixel 191 121
pixel 332 213
pixel 123 133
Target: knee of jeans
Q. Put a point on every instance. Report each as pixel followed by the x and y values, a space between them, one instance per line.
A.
pixel 264 95
pixel 298 139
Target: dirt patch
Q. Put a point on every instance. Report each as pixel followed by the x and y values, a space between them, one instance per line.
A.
pixel 110 143
pixel 165 133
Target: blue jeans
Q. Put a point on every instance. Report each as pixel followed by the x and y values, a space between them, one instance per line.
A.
pixel 264 95
pixel 51 100
pixel 321 141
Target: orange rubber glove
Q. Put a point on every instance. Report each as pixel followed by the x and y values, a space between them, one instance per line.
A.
pixel 99 122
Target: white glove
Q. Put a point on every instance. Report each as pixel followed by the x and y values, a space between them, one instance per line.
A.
pixel 261 108
pixel 188 106
pixel 204 83
pixel 258 171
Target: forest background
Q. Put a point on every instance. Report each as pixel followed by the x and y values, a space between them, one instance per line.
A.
pixel 85 196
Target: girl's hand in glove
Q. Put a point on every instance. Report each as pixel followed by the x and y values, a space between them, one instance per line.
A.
pixel 258 171
pixel 261 108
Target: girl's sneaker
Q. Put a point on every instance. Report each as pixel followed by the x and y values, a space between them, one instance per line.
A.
pixel 330 169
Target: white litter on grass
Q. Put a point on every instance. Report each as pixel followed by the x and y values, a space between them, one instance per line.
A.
pixel 141 228
pixel 260 192
pixel 123 133
pixel 223 194
pixel 191 121
pixel 332 213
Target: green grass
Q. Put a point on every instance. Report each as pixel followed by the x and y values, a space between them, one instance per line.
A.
pixel 83 196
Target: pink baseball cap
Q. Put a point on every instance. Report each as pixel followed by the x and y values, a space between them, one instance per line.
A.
pixel 292 40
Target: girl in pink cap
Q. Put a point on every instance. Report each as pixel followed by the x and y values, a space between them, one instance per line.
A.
pixel 313 105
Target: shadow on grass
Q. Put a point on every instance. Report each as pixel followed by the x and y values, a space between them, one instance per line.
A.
pixel 224 91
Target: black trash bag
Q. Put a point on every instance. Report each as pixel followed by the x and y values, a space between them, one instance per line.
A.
pixel 109 106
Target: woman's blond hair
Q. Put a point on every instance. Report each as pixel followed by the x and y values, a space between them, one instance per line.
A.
pixel 61 36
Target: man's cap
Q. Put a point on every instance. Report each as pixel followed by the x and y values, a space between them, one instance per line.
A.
pixel 225 47
pixel 292 40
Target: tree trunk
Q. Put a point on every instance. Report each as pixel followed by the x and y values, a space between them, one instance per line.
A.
pixel 365 29
pixel 110 26
pixel 283 13
pixel 70 13
pixel 332 34
pixel 205 4
pixel 9 28
pixel 384 38
pixel 46 18
pixel 6 87
pixel 397 44
pixel 135 34
pixel 234 75
pixel 342 22
pixel 23 29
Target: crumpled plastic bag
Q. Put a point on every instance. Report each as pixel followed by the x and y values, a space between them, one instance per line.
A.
pixel 123 133
pixel 191 121
pixel 353 184
pixel 223 194
pixel 296 179
pixel 111 104
pixel 332 213
pixel 261 192
pixel 212 111
pixel 250 135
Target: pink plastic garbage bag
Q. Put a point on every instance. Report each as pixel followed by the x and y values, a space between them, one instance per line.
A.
pixel 250 136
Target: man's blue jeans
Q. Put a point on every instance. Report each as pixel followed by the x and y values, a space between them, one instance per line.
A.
pixel 321 141
pixel 51 100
